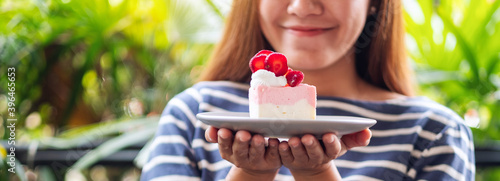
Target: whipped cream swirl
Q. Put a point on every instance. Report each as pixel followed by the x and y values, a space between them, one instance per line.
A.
pixel 267 78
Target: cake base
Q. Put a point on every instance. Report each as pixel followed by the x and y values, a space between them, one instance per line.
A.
pixel 283 102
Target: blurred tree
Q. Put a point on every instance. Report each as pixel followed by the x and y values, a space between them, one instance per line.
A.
pixel 88 61
pixel 456 50
pixel 104 62
pixel 455 47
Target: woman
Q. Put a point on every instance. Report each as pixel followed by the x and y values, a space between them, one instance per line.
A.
pixel 353 52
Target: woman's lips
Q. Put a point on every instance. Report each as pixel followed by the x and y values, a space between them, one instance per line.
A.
pixel 307 31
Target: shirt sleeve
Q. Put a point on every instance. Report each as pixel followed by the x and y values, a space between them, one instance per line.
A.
pixel 449 157
pixel 171 154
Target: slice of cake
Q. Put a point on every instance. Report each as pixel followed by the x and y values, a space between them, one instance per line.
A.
pixel 276 91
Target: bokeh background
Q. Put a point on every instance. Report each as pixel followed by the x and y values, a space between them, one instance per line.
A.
pixel 92 76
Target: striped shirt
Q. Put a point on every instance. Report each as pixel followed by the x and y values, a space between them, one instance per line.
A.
pixel 414 138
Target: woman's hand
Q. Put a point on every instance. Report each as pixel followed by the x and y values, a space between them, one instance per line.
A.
pixel 306 158
pixel 248 153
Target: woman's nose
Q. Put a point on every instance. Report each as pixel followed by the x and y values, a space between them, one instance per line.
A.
pixel 303 8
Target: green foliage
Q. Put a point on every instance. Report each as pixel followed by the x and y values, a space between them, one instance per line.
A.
pixel 456 50
pixel 134 132
pixel 102 54
pixel 6 168
pixel 119 60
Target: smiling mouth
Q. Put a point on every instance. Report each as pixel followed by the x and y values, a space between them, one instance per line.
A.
pixel 307 31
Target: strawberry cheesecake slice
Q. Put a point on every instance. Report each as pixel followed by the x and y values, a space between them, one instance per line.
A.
pixel 283 102
pixel 276 91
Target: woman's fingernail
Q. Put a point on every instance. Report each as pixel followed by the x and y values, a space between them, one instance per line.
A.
pixel 309 143
pixel 222 136
pixel 272 144
pixel 331 139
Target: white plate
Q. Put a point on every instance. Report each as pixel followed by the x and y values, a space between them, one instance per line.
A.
pixel 286 128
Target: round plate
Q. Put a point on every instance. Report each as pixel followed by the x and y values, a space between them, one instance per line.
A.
pixel 285 128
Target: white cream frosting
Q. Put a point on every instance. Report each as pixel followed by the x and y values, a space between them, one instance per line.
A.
pixel 267 78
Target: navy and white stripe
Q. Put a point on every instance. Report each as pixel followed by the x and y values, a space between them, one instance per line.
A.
pixel 414 138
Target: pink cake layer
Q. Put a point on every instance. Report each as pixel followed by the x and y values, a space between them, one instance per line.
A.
pixel 283 95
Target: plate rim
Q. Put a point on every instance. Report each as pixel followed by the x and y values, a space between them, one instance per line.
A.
pixel 237 122
pixel 244 116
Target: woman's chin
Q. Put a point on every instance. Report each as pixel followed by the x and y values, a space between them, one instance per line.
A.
pixel 311 61
pixel 308 65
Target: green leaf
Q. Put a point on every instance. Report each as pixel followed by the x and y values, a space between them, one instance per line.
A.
pixel 141 158
pixel 112 146
pixel 437 76
pixel 86 134
pixel 466 49
pixel 215 8
pixel 45 173
pixel 20 171
pixel 492 65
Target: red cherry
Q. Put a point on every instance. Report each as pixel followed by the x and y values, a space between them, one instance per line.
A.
pixel 294 78
pixel 257 63
pixel 263 52
pixel 276 63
